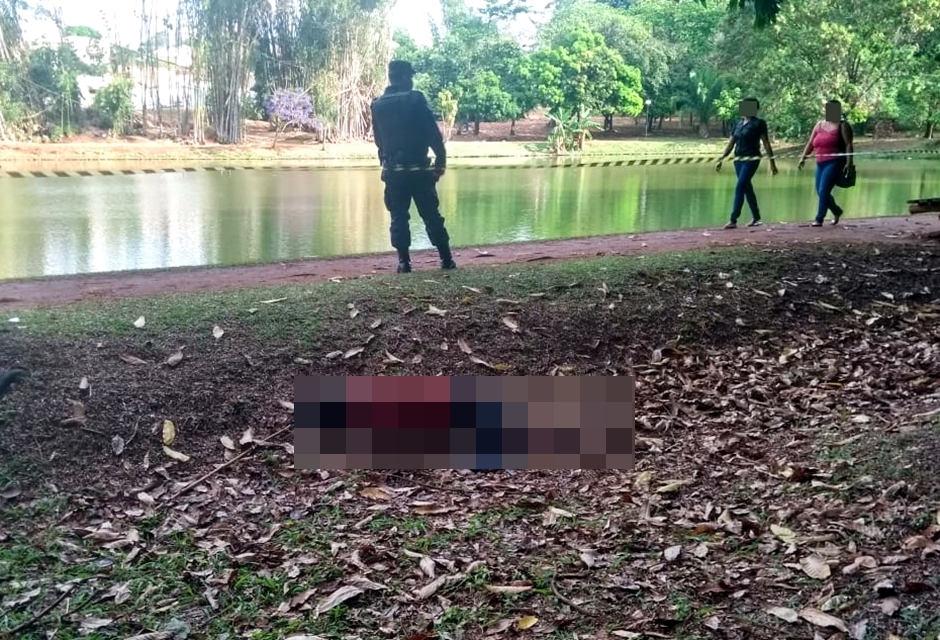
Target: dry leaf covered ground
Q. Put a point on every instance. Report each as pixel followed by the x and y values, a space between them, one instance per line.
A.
pixel 786 480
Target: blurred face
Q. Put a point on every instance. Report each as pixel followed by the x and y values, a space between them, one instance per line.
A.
pixel 833 112
pixel 747 108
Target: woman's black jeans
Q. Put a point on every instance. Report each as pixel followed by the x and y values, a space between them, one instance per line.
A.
pixel 744 190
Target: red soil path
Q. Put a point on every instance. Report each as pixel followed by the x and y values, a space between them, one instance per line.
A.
pixel 23 294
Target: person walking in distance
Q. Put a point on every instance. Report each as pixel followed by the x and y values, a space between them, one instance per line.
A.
pixel 745 139
pixel 404 127
pixel 832 142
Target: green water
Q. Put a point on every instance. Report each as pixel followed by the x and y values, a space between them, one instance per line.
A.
pixel 55 226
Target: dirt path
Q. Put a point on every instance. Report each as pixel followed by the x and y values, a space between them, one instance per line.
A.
pixel 21 294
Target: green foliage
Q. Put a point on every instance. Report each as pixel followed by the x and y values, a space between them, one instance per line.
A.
pixel 726 105
pixel 448 108
pixel 581 73
pixel 480 99
pixel 570 128
pixel 83 32
pixel 116 102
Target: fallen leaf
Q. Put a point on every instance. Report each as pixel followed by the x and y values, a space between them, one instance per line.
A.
pixel 175 358
pixel 377 493
pixel 286 405
pixel 511 323
pixel 785 535
pixel 217 332
pixel 498 627
pixel 355 351
pixel 431 588
pixel 117 445
pixel 132 359
pixel 83 384
pixel 588 557
pixel 140 322
pixel 670 487
pixel 93 624
pixel 820 619
pixel 861 562
pixel 784 613
pixel 169 432
pixel 858 629
pixel 434 311
pixel 390 359
pixel 480 361
pixel 815 567
pixel 376 324
pixel 228 443
pixel 464 346
pixel 889 606
pixel 248 437
pixel 672 552
pixel 432 509
pixel 341 595
pixel 508 588
pixel 526 622
pixel 176 455
pixel 427 566
pixel 333 354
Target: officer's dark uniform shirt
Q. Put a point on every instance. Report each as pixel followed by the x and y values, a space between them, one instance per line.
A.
pixel 747 137
pixel 404 127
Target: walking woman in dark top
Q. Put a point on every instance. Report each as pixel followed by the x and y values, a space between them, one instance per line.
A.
pixel 746 137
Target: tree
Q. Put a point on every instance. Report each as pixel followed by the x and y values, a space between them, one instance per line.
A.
pixel 481 99
pixel 583 74
pixel 286 108
pixel 115 101
pixel 624 32
pixel 824 49
pixel 223 34
pixel 520 84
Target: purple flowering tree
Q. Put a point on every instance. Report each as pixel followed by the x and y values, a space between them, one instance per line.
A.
pixel 292 108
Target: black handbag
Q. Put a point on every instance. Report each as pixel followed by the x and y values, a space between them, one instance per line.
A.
pixel 847 177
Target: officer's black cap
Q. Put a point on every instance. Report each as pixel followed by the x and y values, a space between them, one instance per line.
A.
pixel 400 69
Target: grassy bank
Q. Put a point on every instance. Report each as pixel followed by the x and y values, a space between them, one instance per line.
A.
pixel 784 460
pixel 149 152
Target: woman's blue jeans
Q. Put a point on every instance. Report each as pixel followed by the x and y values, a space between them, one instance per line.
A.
pixel 744 190
pixel 827 172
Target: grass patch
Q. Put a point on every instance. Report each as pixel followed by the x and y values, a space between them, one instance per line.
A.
pixel 308 307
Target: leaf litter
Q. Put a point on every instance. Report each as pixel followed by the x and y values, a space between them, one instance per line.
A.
pixel 760 495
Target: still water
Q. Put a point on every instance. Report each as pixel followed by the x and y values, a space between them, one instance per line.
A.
pixel 56 226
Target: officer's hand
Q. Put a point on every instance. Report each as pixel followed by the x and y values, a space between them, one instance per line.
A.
pixel 438 172
pixel 773 168
pixel 718 166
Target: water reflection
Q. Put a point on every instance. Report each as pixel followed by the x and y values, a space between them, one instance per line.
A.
pixel 53 226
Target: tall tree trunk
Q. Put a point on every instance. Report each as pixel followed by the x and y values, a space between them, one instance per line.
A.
pixel 928 131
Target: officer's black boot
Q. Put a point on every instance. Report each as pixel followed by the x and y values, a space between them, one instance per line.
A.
pixel 404 261
pixel 447 260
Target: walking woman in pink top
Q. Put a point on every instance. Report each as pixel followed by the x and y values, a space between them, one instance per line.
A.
pixel 831 140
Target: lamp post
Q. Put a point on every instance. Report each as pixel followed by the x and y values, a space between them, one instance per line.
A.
pixel 648 103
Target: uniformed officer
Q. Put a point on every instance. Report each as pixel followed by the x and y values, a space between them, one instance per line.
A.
pixel 404 128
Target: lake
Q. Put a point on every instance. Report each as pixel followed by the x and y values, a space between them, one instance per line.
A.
pixel 57 226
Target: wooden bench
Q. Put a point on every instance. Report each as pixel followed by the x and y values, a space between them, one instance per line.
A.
pixel 924 205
